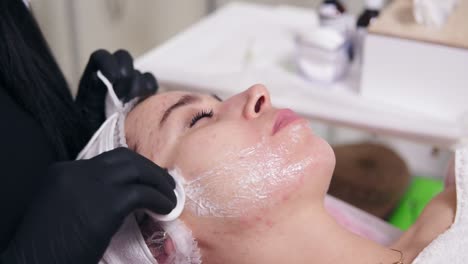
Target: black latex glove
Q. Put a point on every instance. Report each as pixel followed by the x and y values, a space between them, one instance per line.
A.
pixel 128 83
pixel 84 204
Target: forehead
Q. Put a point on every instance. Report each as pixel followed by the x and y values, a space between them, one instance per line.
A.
pixel 142 121
pixel 151 110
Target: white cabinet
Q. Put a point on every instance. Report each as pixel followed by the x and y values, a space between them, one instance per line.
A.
pixel 354 6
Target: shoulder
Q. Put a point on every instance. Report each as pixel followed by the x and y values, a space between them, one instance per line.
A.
pixel 435 219
pixel 440 212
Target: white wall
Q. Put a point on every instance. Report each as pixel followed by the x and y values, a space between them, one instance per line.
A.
pixel 54 22
pixel 75 28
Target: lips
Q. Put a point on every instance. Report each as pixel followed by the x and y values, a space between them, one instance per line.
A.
pixel 284 118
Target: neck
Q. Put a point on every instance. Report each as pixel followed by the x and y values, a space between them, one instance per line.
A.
pixel 308 236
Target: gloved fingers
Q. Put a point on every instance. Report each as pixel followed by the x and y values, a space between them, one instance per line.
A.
pixel 144 197
pixel 142 86
pixel 59 168
pixel 129 167
pixel 134 89
pixel 150 84
pixel 114 156
pixel 104 61
pixel 125 62
pixel 122 88
pixel 126 74
pixel 152 175
pixel 119 70
pixel 154 172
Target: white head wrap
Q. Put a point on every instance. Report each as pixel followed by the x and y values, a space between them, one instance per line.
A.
pixel 111 134
pixel 128 244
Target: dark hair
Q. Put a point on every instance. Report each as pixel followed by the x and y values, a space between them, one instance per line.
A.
pixel 31 76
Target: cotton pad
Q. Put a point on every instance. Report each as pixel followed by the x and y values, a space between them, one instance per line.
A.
pixel 180 195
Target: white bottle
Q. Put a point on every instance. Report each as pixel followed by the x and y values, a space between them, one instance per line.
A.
pixel 333 14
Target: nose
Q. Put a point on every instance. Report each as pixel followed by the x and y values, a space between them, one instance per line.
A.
pixel 258 100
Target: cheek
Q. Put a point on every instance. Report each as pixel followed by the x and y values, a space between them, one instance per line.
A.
pixel 248 178
pixel 206 148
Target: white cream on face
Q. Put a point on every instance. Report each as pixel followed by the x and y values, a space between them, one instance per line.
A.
pixel 246 180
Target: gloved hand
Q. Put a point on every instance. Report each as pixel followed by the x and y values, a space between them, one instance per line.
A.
pixel 128 83
pixel 84 204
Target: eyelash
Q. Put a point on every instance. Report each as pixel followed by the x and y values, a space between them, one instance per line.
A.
pixel 200 115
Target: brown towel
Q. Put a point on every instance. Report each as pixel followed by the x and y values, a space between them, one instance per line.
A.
pixel 369 176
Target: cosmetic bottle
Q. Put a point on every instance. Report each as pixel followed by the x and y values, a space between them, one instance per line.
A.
pixel 371 12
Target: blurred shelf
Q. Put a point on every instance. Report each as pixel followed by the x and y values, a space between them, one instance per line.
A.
pixel 243 44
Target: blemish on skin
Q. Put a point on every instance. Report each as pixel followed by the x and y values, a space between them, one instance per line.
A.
pixel 269 223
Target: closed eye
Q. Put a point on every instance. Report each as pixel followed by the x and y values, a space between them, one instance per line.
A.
pixel 199 115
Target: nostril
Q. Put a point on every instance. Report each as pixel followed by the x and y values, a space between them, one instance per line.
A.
pixel 259 103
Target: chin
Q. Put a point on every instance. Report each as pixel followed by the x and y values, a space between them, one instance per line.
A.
pixel 301 143
pixel 318 173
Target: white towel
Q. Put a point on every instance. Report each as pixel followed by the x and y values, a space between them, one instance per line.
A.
pixel 451 246
pixel 128 246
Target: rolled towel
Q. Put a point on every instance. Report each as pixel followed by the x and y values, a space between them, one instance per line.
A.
pixel 433 13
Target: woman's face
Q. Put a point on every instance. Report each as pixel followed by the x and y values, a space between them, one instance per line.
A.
pixel 240 158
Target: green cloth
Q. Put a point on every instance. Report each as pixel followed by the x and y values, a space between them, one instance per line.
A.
pixel 418 195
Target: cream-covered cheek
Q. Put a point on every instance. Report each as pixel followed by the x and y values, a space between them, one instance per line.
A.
pixel 249 179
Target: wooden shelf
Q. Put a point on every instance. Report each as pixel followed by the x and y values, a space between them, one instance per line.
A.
pixel 397 21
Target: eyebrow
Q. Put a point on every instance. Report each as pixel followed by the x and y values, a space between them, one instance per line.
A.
pixel 216 97
pixel 184 100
